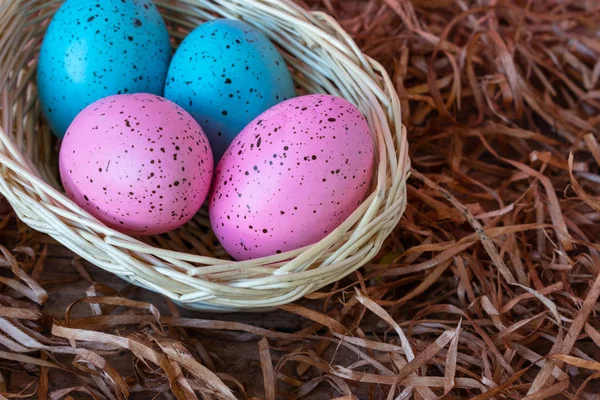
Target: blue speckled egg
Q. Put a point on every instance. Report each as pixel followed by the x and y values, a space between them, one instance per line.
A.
pixel 93 49
pixel 226 73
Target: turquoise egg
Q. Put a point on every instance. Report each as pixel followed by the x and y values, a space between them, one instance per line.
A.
pixel 225 73
pixel 94 49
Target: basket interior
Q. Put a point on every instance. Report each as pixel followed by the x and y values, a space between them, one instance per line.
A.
pixel 181 17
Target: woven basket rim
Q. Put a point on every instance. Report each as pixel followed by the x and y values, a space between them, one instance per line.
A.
pixel 192 280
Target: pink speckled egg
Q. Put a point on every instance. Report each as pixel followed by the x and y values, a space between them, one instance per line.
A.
pixel 291 176
pixel 137 162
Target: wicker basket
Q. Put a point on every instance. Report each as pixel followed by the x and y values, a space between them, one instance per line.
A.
pixel 188 265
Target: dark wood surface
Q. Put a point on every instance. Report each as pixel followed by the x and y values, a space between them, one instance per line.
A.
pixel 233 353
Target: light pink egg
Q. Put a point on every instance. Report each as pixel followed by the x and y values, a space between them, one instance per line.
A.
pixel 137 162
pixel 291 176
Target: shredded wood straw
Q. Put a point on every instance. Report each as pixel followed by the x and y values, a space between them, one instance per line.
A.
pixel 487 288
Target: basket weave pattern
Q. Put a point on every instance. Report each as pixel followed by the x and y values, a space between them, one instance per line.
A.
pixel 188 265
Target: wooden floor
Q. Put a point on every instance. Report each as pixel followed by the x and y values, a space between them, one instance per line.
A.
pixel 233 353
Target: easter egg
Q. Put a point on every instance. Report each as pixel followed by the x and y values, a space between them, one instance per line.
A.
pixel 93 49
pixel 137 162
pixel 225 73
pixel 291 176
